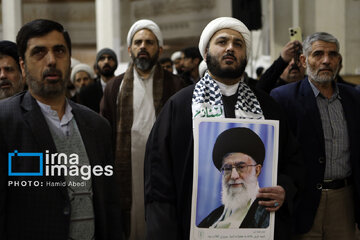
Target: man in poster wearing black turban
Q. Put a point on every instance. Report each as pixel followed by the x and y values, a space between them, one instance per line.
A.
pixel 239 154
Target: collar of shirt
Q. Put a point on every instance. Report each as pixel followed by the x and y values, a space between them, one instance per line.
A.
pixel 318 93
pixel 228 90
pixel 53 116
pixel 137 75
pixel 103 84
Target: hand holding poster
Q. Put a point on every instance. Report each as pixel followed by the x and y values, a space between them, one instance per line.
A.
pixel 233 159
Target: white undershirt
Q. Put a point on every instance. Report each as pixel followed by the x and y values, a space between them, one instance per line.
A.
pixel 143 120
pixel 103 84
pixel 227 90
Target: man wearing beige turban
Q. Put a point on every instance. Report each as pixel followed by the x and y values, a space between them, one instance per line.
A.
pixel 131 103
pixel 225 46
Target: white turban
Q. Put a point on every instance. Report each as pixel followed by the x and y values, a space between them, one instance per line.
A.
pixel 223 23
pixel 81 67
pixel 175 55
pixel 145 24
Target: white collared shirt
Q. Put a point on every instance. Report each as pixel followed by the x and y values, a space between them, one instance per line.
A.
pixel 62 126
pixel 103 84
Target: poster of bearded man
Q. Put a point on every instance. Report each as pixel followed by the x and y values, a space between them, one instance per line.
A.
pixel 233 159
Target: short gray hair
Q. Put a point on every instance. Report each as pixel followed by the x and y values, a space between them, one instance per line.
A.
pixel 318 36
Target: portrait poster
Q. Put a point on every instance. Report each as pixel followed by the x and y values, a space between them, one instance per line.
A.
pixel 208 204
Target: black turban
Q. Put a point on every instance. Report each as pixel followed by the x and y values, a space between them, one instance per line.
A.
pixel 238 140
pixel 8 48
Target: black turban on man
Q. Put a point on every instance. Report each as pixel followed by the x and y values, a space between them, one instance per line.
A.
pixel 238 140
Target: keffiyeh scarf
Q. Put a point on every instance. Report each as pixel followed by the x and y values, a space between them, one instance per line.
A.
pixel 207 101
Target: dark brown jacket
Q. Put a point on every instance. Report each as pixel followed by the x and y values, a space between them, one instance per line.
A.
pixel 108 106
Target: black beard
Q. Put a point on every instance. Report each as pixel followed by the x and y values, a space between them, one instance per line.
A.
pixel 215 68
pixel 145 64
pixel 107 72
pixel 179 71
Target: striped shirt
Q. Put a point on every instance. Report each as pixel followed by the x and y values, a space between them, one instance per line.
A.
pixel 336 136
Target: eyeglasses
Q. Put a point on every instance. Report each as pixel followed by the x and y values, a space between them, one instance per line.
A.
pixel 240 168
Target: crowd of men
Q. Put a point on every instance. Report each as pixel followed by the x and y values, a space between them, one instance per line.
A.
pixel 133 133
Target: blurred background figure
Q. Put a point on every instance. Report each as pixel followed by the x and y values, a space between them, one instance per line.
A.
pixel 176 59
pixel 166 64
pixel 190 65
pixel 11 80
pixel 286 69
pixel 259 72
pixel 106 64
pixel 81 75
pixel 70 88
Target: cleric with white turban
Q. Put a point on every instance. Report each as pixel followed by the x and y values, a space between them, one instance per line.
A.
pixel 220 94
pixel 81 67
pixel 223 23
pixel 175 55
pixel 145 24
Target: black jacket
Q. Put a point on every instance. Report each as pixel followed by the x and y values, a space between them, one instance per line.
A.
pixel 169 168
pixel 43 213
pixel 91 95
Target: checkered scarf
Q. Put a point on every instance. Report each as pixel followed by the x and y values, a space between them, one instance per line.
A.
pixel 207 101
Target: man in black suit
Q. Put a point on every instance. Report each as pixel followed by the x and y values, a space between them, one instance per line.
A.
pixel 59 197
pixel 239 154
pixel 324 116
pixel 106 64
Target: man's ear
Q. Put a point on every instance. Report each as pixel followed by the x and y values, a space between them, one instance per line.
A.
pixel 22 68
pixel 129 51
pixel 303 60
pixel 340 62
pixel 206 53
pixel 160 51
pixel 257 170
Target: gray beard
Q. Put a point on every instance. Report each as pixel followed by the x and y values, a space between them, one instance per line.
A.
pixel 317 78
pixel 15 88
pixel 45 90
pixel 145 64
pixel 234 199
pixel 5 93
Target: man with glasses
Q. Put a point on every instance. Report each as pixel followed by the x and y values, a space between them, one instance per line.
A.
pixel 239 154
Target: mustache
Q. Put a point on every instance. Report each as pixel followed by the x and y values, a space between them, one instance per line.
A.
pixel 106 65
pixel 238 181
pixel 51 72
pixel 5 82
pixel 143 52
pixel 229 54
pixel 328 69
